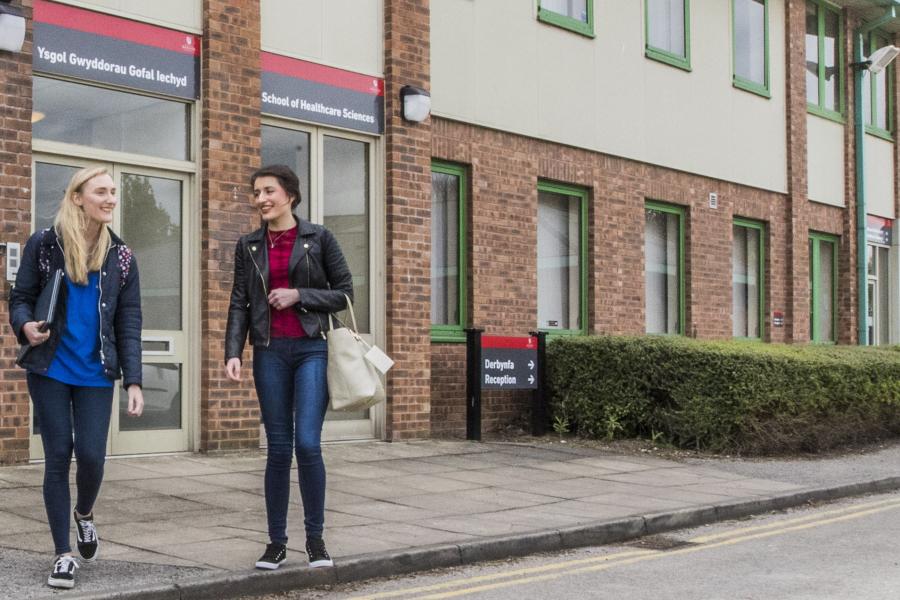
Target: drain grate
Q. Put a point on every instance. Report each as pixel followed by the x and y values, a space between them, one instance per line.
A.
pixel 659 542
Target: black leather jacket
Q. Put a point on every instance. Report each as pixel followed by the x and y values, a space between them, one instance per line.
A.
pixel 119 306
pixel 317 269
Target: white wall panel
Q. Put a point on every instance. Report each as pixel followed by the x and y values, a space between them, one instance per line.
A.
pixel 879 172
pixel 825 160
pixel 347 34
pixel 518 74
pixel 177 14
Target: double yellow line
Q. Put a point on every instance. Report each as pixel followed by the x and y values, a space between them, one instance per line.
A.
pixel 513 577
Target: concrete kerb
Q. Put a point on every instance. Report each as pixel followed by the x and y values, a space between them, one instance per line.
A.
pixel 386 564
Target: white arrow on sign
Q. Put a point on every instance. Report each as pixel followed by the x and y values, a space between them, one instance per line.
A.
pixel 531 379
pixel 531 364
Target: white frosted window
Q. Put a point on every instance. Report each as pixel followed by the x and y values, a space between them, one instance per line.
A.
pixel 577 9
pixel 445 249
pixel 661 249
pixel 665 26
pixel 558 249
pixel 745 282
pixel 750 40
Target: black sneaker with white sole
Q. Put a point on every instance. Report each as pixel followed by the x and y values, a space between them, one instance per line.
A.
pixel 63 575
pixel 318 555
pixel 88 540
pixel 272 557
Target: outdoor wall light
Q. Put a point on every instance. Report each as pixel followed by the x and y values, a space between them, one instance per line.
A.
pixel 416 103
pixel 12 27
pixel 881 58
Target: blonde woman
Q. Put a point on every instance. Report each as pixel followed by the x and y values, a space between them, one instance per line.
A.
pixel 94 339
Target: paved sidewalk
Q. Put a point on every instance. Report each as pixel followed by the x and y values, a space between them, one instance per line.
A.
pixel 191 526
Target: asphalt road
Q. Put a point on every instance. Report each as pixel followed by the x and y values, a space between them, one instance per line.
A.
pixel 843 550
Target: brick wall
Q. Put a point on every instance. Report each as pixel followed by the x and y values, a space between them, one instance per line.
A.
pixel 230 134
pixel 408 223
pixel 15 207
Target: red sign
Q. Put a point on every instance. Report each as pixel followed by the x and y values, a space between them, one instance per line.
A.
pixel 505 341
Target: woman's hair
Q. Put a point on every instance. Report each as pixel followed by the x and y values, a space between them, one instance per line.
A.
pixel 71 225
pixel 285 176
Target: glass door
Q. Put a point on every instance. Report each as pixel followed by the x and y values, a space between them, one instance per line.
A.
pixel 151 219
pixel 337 183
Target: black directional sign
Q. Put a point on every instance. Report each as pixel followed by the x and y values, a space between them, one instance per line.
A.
pixel 509 363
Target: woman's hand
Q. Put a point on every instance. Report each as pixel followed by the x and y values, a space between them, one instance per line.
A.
pixel 135 400
pixel 283 298
pixel 35 336
pixel 233 369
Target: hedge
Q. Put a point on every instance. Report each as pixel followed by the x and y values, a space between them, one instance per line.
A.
pixel 735 397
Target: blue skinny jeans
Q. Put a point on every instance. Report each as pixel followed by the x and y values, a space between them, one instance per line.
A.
pixel 290 378
pixel 65 409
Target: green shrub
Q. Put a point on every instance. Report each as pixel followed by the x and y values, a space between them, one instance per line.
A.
pixel 739 397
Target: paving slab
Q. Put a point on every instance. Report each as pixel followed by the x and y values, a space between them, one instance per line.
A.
pixel 198 521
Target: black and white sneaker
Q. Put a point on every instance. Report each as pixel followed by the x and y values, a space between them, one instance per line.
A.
pixel 272 557
pixel 318 555
pixel 63 575
pixel 88 541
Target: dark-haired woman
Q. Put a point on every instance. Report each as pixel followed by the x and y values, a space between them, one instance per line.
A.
pixel 288 276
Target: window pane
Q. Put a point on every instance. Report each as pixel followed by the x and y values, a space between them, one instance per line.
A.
pixel 739 282
pixel 151 226
pixel 750 40
pixel 825 301
pixel 50 183
pixel 832 72
pixel 559 293
pixel 884 298
pixel 665 25
pixel 812 53
pixel 867 97
pixel 661 272
pixel 162 399
pixel 577 9
pixel 881 100
pixel 346 206
pixel 103 118
pixel 444 249
pixel 289 147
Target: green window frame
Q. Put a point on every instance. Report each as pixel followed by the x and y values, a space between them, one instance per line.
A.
pixel 683 60
pixel 886 77
pixel 679 212
pixel 741 82
pixel 455 332
pixel 760 228
pixel 551 17
pixel 581 196
pixel 820 107
pixel 818 241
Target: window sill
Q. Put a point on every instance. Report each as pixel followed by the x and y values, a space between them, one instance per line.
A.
pixel 752 87
pixel 673 60
pixel 825 113
pixel 448 336
pixel 573 25
pixel 880 133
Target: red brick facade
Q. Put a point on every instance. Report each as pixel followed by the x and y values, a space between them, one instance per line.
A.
pixel 230 134
pixel 15 208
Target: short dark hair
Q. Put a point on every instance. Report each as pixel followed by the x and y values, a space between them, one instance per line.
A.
pixel 285 176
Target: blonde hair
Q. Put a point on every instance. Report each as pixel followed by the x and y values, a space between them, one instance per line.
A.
pixel 71 225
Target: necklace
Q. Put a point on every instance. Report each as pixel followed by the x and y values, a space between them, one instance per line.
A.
pixel 273 241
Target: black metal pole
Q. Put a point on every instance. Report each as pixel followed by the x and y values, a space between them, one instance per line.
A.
pixel 473 383
pixel 539 415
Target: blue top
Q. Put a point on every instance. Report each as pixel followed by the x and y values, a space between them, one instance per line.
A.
pixel 77 358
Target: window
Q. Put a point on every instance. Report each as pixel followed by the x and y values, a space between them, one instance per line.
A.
pixel 824 60
pixel 668 32
pixel 750 29
pixel 878 294
pixel 823 287
pixel 448 252
pixel 562 258
pixel 577 15
pixel 747 279
pixel 878 93
pixel 664 268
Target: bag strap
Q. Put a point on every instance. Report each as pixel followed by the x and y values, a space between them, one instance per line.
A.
pixel 354 329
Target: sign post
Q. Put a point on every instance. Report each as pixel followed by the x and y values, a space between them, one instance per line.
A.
pixel 495 362
pixel 538 397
